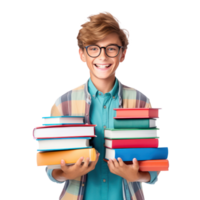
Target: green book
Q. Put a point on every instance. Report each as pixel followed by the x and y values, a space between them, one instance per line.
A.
pixel 134 123
pixel 130 133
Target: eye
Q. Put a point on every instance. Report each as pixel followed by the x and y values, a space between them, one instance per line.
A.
pixel 111 49
pixel 93 48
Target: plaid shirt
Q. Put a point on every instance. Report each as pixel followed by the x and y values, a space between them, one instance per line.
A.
pixel 77 102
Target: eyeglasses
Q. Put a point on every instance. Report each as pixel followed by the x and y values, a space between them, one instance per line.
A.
pixel 111 50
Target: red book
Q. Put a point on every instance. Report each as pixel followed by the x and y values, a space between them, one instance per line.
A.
pixel 131 143
pixel 136 113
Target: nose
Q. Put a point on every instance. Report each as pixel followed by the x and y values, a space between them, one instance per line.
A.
pixel 102 55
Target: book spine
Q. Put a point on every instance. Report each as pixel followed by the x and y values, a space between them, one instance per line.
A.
pixel 65 116
pixel 56 124
pixel 135 143
pixel 131 123
pixel 32 133
pixel 70 156
pixel 135 113
pixel 141 153
pixel 150 165
pixel 89 147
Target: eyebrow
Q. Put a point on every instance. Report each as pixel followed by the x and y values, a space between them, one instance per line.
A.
pixel 109 44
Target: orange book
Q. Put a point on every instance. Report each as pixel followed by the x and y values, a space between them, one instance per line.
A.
pixel 136 113
pixel 69 156
pixel 150 165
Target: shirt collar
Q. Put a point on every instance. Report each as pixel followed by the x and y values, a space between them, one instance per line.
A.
pixel 94 92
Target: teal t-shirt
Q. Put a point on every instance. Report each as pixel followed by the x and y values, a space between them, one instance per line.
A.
pixel 101 183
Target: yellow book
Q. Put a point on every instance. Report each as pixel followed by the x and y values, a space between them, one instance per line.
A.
pixel 69 156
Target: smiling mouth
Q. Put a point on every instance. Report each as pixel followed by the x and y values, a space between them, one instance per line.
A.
pixel 102 66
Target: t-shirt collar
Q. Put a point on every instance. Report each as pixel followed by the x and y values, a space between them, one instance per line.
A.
pixel 94 92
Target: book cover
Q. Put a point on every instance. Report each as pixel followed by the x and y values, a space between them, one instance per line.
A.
pixel 64 116
pixel 130 133
pixel 62 131
pixel 56 144
pixel 131 143
pixel 134 123
pixel 62 149
pixel 136 113
pixel 70 156
pixel 139 153
pixel 150 165
pixel 60 120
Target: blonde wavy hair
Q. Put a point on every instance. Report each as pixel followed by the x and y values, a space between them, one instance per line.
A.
pixel 98 28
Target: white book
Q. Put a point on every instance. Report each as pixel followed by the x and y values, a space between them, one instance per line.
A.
pixel 62 131
pixel 63 143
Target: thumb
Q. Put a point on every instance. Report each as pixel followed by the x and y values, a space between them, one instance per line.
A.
pixel 135 164
pixel 63 165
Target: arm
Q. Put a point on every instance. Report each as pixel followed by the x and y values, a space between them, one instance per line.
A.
pixel 143 177
pixel 147 177
pixel 53 179
pixel 58 175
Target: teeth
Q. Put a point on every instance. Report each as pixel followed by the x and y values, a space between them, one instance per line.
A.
pixel 102 66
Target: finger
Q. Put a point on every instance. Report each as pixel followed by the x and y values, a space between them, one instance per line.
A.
pixel 86 162
pixel 63 165
pixel 120 162
pixel 110 163
pixel 79 162
pixel 135 163
pixel 116 163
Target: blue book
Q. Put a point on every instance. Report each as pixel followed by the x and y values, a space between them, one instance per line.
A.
pixel 57 144
pixel 139 153
pixel 63 120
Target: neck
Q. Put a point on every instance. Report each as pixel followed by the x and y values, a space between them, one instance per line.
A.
pixel 103 85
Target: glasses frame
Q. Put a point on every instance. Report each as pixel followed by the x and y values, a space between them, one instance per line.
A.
pixel 86 47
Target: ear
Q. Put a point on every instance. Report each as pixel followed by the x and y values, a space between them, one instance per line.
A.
pixel 123 55
pixel 82 55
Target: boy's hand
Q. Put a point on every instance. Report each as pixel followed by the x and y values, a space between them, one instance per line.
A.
pixel 78 169
pixel 129 172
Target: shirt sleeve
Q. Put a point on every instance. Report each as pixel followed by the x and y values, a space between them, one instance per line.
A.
pixel 154 178
pixel 148 104
pixel 49 174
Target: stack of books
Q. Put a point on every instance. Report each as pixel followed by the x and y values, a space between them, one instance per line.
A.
pixel 135 136
pixel 63 137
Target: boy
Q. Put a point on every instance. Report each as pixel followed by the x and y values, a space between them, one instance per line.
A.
pixel 102 46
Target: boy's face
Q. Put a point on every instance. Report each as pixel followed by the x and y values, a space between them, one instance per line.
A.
pixel 103 67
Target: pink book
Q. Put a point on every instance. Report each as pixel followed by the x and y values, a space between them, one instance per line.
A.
pixel 122 113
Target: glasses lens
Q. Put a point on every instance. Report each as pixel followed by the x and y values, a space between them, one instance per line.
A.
pixel 93 51
pixel 111 50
